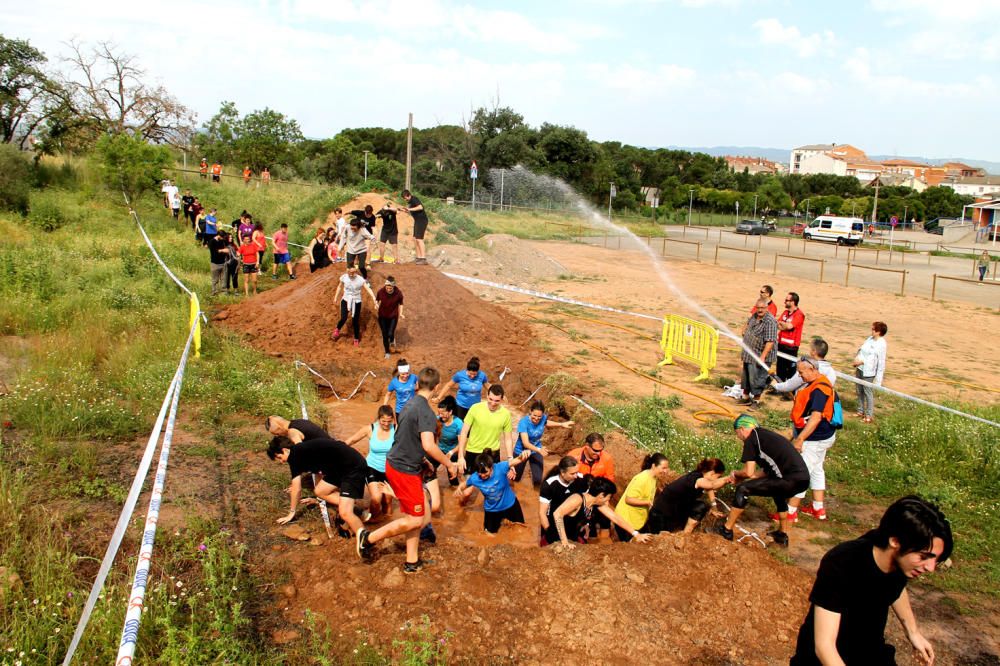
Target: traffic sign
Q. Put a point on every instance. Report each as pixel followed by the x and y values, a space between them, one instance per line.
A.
pixel 474 171
pixel 893 220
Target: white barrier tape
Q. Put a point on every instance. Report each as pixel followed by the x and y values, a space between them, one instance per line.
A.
pixel 533 394
pixel 550 297
pixel 123 520
pixel 133 614
pixel 149 243
pixel 302 364
pixel 611 421
pixel 322 503
pixel 729 334
pixel 287 241
pixel 503 373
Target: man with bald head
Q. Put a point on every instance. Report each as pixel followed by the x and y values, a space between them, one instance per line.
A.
pixel 759 338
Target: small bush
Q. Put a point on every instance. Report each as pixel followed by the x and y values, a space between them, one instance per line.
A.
pixel 46 213
pixel 15 179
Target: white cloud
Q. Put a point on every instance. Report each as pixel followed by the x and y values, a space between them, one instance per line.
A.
pixel 638 82
pixel 966 11
pixel 772 31
pixel 864 69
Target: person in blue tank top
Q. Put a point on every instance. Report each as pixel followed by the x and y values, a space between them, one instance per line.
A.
pixel 530 429
pixel 380 437
pixel 450 426
pixel 470 383
pixel 499 500
pixel 404 385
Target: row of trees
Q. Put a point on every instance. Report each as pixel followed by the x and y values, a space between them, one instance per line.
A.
pixel 99 92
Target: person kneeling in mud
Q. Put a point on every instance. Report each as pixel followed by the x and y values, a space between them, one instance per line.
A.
pixel 679 506
pixel 499 500
pixel 342 468
pixel 569 521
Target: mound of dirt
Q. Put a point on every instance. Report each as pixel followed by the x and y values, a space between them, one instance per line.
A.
pixel 444 325
pixel 502 255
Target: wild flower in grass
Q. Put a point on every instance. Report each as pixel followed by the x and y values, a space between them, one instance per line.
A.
pixel 202 547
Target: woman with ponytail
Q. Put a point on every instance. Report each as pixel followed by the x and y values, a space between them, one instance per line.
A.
pixel 635 504
pixel 679 506
pixel 569 522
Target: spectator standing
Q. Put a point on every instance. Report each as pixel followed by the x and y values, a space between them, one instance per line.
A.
pixel 210 226
pixel 983 264
pixel 265 176
pixel 232 264
pixel 247 174
pixel 389 301
pixel 249 257
pixel 216 173
pixel 219 255
pixel 420 222
pixel 818 349
pixel 759 337
pixel 203 168
pixel 187 202
pixel 869 366
pixel 814 434
pixel 789 335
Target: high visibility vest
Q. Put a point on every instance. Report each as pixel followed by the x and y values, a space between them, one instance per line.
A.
pixel 821 384
pixel 216 169
pixel 204 167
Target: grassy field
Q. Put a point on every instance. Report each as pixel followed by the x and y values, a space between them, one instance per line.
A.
pixel 91 332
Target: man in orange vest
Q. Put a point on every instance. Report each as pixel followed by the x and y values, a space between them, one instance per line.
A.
pixel 812 413
pixel 216 172
pixel 246 175
pixel 203 168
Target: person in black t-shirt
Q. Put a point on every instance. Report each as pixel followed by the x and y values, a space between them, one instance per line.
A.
pixel 342 471
pixel 559 483
pixel 187 206
pixel 858 581
pixel 297 430
pixel 416 209
pixel 218 251
pixel 782 474
pixel 679 505
pixel 389 233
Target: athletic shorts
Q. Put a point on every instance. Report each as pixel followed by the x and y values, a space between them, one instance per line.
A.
pixel 372 475
pixel 493 519
pixel 419 229
pixel 249 269
pixel 392 238
pixel 352 485
pixel 283 258
pixel 409 490
pixel 215 178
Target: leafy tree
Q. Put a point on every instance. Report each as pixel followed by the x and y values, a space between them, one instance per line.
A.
pixel 218 140
pixel 131 163
pixel 25 91
pixel 15 180
pixel 942 202
pixel 266 137
pixel 773 196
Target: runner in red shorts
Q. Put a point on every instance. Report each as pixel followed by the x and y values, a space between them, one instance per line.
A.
pixel 403 471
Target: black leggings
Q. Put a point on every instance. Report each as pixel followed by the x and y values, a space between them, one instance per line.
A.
pixel 232 275
pixel 362 257
pixel 766 486
pixel 388 326
pixel 355 318
pixel 674 522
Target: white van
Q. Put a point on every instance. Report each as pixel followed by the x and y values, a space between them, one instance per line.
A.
pixel 840 230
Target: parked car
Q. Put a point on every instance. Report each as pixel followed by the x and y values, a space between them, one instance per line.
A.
pixel 839 230
pixel 798 228
pixel 752 227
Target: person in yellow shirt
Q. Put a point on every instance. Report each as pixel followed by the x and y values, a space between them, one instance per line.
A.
pixel 487 427
pixel 638 498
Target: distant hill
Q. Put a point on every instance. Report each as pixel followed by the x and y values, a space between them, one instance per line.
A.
pixel 781 155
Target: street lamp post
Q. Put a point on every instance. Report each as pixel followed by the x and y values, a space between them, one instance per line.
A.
pixel 366 165
pixel 755 206
pixel 807 211
pixel 690 203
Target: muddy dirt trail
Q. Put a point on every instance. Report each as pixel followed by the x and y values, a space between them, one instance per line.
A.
pixel 678 600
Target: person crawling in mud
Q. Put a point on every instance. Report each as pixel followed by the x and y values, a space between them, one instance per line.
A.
pixel 341 471
pixel 569 522
pixel 491 479
pixel 859 581
pixel 297 430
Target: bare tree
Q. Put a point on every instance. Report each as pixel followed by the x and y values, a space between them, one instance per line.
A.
pixel 108 89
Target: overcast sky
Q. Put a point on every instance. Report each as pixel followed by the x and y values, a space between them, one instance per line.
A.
pixel 908 77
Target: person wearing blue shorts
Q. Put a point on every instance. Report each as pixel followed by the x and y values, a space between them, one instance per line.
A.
pixel 281 254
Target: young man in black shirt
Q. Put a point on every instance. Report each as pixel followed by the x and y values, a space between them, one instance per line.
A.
pixel 341 471
pixel 858 581
pixel 420 221
pixel 218 250
pixel 782 474
pixel 404 471
pixel 389 233
pixel 297 430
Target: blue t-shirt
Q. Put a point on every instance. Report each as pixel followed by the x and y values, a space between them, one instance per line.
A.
pixel 470 391
pixel 211 224
pixel 497 493
pixel 534 432
pixel 449 435
pixel 404 391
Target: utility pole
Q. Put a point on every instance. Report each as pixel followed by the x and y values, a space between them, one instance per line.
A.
pixel 409 150
pixel 611 197
pixel 366 165
pixel 501 189
pixel 875 207
pixel 755 206
pixel 690 204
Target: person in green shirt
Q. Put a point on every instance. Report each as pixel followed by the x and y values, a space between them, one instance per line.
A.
pixel 487 427
pixel 638 498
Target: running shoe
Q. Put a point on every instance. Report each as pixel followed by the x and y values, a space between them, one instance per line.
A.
pixel 723 532
pixel 357 343
pixel 818 514
pixel 792 517
pixel 341 528
pixel 362 546
pixel 779 537
pixel 427 534
pixel 336 333
pixel 414 567
pixel 293 277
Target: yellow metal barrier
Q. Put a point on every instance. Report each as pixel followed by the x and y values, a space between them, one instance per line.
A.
pixel 691 341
